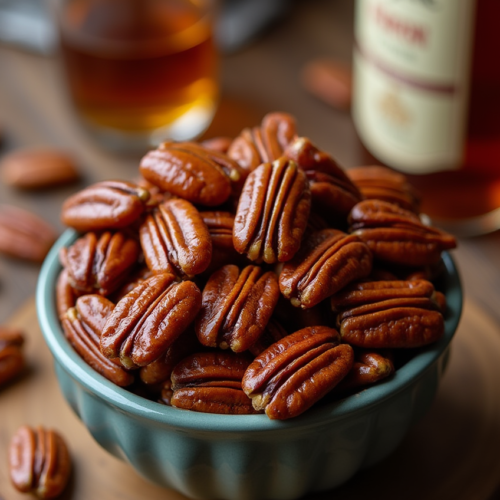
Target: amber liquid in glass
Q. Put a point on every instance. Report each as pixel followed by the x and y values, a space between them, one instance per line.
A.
pixel 138 66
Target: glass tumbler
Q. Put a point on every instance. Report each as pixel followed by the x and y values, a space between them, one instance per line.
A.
pixel 140 71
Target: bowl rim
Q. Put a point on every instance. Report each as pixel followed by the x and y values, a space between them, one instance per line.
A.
pixel 140 407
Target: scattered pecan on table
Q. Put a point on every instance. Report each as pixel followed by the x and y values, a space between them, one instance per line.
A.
pixel 34 169
pixel 11 355
pixel 24 235
pixel 39 462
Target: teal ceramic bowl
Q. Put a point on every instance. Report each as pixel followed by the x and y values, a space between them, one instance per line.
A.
pixel 245 457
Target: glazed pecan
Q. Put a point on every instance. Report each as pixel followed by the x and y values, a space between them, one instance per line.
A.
pixel 105 205
pixel 328 261
pixel 389 314
pixel 333 193
pixel 236 307
pixel 175 239
pixel 191 171
pixel 99 264
pixel 263 144
pixel 297 371
pixel 211 383
pixel 39 462
pixel 10 336
pixel 329 80
pixel 65 294
pixel 381 183
pixel 11 355
pixel 146 322
pixel 396 235
pixel 272 212
pixel 160 370
pixel 369 367
pixel 83 326
pixel 24 235
pixel 37 169
pixel 366 292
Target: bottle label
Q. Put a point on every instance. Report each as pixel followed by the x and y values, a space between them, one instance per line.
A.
pixel 411 80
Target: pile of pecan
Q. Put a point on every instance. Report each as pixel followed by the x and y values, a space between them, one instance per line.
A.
pixel 249 275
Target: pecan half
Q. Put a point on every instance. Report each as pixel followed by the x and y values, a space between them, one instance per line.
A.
pixel 99 264
pixel 146 322
pixel 328 261
pixel 381 183
pixel 39 462
pixel 191 171
pixel 65 294
pixel 296 372
pixel 211 383
pixel 24 235
pixel 236 307
pixel 10 337
pixel 333 193
pixel 272 212
pixel 397 235
pixel 11 355
pixel 175 239
pixel 37 169
pixel 389 314
pixel 369 368
pixel 105 205
pixel 265 143
pixel 83 326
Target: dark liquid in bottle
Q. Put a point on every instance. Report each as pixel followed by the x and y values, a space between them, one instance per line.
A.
pixel 474 189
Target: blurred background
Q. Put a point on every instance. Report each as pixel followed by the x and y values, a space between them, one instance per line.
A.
pixel 102 81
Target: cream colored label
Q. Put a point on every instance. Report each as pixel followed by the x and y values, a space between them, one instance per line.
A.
pixel 411 67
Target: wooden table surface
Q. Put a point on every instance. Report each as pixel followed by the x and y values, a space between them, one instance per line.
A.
pixel 35 111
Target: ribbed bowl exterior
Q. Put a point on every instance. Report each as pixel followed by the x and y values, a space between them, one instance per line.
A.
pixel 247 457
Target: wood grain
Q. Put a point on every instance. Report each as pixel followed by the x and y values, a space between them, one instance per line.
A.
pixel 453 451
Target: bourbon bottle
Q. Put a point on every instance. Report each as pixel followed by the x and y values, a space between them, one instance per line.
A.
pixel 427 100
